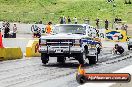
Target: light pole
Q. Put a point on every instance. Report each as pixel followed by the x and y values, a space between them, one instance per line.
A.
pixel 113 13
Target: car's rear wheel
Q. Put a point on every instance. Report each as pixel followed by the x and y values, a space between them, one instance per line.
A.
pixel 129 47
pixel 44 58
pixel 92 59
pixel 61 59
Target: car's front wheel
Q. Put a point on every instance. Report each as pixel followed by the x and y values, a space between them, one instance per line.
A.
pixel 129 47
pixel 44 58
pixel 80 58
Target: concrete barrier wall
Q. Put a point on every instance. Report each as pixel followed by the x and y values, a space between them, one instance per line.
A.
pixel 10 53
pixel 2 53
pixel 32 48
pixel 113 35
pixel 116 35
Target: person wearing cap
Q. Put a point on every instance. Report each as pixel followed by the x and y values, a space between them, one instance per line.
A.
pixel 118 49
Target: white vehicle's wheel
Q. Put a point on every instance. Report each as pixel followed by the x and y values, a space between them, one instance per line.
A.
pixel 80 58
pixel 61 60
pixel 129 47
pixel 44 58
pixel 85 56
pixel 92 59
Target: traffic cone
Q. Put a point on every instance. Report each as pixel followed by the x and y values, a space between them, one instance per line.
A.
pixel 1 43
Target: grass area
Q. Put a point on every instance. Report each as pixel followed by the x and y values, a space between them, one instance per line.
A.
pixel 50 10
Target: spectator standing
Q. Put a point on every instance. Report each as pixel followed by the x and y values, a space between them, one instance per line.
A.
pixel 40 22
pixel 97 23
pixel 64 20
pixel 69 20
pixel 61 20
pixel 106 24
pixel 3 25
pixel 116 20
pixel 75 20
pixel 97 32
pixel 14 30
pixel 6 30
pixel 48 28
pixel 116 26
pixel 124 27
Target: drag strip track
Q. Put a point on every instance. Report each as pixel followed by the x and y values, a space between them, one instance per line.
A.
pixel 31 72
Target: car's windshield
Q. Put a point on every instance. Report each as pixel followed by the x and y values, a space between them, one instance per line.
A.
pixel 74 29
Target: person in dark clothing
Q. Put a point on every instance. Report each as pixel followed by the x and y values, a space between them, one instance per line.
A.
pixel 97 32
pixel 61 20
pixel 69 20
pixel 118 48
pixel 97 23
pixel 106 24
pixel 7 30
pixel 116 20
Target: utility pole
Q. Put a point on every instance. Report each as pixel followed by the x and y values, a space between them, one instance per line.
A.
pixel 113 13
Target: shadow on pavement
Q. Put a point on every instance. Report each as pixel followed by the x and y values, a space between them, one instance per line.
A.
pixel 66 65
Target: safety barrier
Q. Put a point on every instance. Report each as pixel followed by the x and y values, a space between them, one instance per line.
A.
pixel 113 35
pixel 116 35
pixel 32 48
pixel 10 53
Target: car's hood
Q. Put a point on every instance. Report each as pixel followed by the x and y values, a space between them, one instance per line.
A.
pixel 64 36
